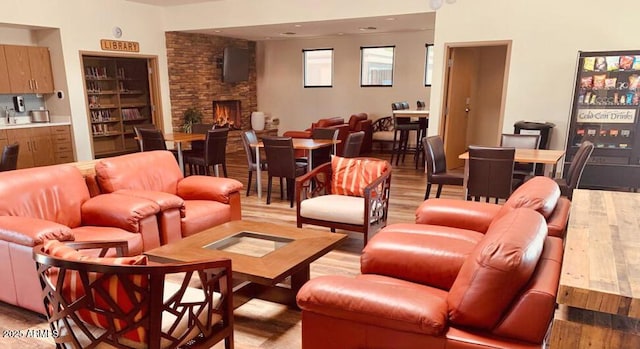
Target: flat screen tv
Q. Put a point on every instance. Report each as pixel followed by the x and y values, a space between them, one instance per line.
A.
pixel 235 65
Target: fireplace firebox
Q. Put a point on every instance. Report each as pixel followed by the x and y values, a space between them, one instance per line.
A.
pixel 227 114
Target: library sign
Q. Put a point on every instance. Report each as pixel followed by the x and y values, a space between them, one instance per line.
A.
pixel 616 116
pixel 118 45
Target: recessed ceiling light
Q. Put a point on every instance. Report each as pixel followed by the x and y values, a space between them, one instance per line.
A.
pixel 217 31
pixel 367 28
pixel 267 37
pixel 390 19
pixel 340 33
pixel 298 25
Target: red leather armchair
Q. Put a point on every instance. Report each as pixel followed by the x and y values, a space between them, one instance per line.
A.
pixel 53 202
pixel 361 122
pixel 441 290
pixel 188 205
pixel 334 122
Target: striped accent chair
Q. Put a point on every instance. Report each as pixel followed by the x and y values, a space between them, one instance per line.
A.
pixel 347 193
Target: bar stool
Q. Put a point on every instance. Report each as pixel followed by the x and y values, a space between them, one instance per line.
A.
pixel 401 130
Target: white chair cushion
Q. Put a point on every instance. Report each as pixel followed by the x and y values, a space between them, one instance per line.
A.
pixel 383 136
pixel 334 208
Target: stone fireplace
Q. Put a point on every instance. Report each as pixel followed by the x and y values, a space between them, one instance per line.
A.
pixel 227 114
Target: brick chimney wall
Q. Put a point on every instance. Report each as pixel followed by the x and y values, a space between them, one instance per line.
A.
pixel 195 80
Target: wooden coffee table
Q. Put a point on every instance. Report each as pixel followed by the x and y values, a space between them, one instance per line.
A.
pixel 262 255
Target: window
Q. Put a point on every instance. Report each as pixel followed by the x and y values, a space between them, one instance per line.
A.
pixel 428 68
pixel 318 68
pixel 376 64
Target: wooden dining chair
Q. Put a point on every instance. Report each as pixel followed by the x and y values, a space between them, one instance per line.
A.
pixel 437 166
pixel 323 155
pixel 490 172
pixel 249 137
pixel 353 145
pixel 9 159
pixel 281 163
pixel 520 141
pixel 215 153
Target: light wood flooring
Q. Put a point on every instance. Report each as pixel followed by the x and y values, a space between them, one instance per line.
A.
pixel 261 324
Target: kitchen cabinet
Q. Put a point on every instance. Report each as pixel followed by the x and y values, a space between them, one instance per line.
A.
pixel 29 69
pixel 5 87
pixel 41 146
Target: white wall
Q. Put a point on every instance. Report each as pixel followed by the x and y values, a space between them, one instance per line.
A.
pixel 280 78
pixel 82 24
pixel 546 38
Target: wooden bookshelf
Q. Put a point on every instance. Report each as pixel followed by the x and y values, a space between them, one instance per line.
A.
pixel 118 98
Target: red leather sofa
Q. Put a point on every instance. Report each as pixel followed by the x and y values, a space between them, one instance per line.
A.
pixel 539 193
pixel 334 122
pixel 53 202
pixel 188 205
pixel 441 288
pixel 452 279
pixel 361 122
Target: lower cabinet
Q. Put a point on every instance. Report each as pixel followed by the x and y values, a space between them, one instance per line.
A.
pixel 42 146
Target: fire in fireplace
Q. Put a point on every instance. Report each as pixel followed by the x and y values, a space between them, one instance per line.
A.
pixel 227 114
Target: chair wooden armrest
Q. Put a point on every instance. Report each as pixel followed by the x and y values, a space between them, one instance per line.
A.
pixel 376 201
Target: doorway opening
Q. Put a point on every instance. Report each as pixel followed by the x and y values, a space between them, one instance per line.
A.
pixel 474 96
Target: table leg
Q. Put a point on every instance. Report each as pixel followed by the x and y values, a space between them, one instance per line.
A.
pixel 310 160
pixel 258 174
pixel 180 158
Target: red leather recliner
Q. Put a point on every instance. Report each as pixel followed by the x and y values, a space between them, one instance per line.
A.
pixel 53 202
pixel 188 205
pixel 442 289
pixel 334 122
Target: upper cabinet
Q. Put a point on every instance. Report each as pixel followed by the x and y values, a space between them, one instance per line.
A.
pixel 5 87
pixel 29 69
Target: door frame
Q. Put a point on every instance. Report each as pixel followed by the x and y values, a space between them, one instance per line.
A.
pixel 448 47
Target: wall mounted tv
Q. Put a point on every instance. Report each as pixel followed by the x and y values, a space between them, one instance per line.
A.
pixel 235 64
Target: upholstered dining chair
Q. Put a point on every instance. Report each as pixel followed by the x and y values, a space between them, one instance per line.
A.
pixel 437 166
pixel 197 147
pixel 521 141
pixel 249 137
pixel 281 163
pixel 572 177
pixel 490 172
pixel 322 155
pixel 353 145
pixel 126 303
pixel 9 159
pixel 215 149
pixel 347 193
pixel 137 129
pixel 151 139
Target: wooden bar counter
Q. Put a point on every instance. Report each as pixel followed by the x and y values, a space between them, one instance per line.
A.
pixel 599 291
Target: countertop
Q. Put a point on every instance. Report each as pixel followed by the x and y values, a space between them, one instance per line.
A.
pixel 33 124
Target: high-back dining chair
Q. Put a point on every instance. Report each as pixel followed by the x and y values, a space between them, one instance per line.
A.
pixel 95 302
pixel 281 163
pixel 9 159
pixel 521 141
pixel 490 172
pixel 151 139
pixel 437 166
pixel 198 146
pixel 215 148
pixel 353 145
pixel 572 177
pixel 249 137
pixel 323 155
pixel 137 129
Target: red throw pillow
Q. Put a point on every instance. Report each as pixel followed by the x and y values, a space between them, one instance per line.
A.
pixel 351 176
pixel 111 286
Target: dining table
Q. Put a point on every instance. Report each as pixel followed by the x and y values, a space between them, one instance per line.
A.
pixel 306 144
pixel 182 137
pixel 536 156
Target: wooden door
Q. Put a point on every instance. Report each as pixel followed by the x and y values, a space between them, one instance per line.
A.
pixel 5 86
pixel 18 67
pixel 25 153
pixel 461 72
pixel 40 66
